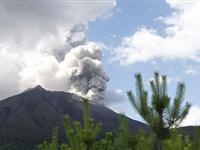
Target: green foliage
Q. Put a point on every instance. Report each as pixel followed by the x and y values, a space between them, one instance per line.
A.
pixel 84 137
pixel 177 142
pixel 160 114
pixel 81 137
pixel 144 141
pixel 53 145
pixel 124 140
pixel 196 140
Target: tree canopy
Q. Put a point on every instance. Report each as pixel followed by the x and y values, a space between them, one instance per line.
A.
pixel 161 114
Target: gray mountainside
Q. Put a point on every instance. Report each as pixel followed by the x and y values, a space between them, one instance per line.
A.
pixel 27 119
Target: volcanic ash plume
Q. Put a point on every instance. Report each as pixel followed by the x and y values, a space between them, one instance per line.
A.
pixel 74 37
pixel 45 43
pixel 87 77
pixel 80 72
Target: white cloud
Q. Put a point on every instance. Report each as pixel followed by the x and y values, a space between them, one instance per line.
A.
pixel 117 100
pixel 25 23
pixel 111 13
pixel 192 70
pixel 181 39
pixel 193 118
pixel 45 43
pixel 115 96
pixel 80 72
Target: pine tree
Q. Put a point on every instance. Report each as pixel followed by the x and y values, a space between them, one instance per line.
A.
pixel 80 137
pixel 54 143
pixel 161 115
pixel 178 141
pixel 144 141
pixel 196 140
pixel 124 139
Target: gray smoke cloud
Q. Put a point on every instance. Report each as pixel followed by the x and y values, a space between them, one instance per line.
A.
pixel 89 77
pixel 80 72
pixel 114 97
pixel 45 43
pixel 74 37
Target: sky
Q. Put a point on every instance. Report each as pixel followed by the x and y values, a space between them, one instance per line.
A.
pixel 94 48
pixel 143 37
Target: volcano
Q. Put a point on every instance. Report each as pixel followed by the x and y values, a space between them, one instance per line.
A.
pixel 27 119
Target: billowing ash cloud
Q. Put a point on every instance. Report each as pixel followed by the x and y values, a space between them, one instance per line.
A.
pixel 80 72
pixel 87 76
pixel 74 37
pixel 45 43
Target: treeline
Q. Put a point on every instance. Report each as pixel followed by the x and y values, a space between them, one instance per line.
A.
pixel 162 117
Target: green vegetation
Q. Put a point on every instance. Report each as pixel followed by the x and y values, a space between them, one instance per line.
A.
pixel 161 116
pixel 80 137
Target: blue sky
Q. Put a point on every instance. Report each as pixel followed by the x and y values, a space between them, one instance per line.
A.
pixel 125 20
pixel 58 44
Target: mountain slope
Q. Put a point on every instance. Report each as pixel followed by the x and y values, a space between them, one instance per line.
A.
pixel 27 119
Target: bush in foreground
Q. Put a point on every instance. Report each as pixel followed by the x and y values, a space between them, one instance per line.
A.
pixel 162 118
pixel 86 137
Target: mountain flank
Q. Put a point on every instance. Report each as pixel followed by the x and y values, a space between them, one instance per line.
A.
pixel 27 119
